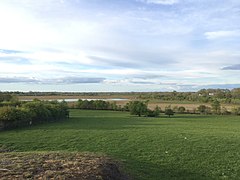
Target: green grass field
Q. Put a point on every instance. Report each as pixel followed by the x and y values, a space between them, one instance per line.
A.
pixel 182 147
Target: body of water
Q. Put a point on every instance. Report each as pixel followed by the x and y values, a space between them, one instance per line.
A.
pixel 75 100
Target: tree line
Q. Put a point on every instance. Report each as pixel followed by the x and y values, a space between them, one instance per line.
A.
pixel 214 108
pixel 134 107
pixel 97 105
pixel 140 108
pixel 204 95
pixel 29 113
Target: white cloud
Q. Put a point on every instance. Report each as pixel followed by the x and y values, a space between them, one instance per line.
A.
pixel 41 57
pixel 20 30
pixel 222 34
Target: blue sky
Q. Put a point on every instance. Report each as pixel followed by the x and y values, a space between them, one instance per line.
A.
pixel 119 45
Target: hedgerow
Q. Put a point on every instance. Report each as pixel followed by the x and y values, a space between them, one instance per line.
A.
pixel 34 112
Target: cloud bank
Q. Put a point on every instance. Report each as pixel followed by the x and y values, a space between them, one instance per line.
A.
pixel 63 80
pixel 119 45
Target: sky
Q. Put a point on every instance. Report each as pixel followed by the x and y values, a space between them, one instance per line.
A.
pixel 119 45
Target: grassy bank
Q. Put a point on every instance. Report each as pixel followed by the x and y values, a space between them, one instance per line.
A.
pixel 182 147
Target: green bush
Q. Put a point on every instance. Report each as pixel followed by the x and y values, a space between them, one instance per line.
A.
pixel 32 113
pixel 138 108
pixel 181 109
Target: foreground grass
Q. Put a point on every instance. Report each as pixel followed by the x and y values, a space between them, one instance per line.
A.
pixel 183 147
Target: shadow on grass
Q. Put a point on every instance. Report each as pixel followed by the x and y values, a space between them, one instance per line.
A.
pixel 147 170
pixel 106 123
pixel 102 122
pixel 126 122
pixel 190 117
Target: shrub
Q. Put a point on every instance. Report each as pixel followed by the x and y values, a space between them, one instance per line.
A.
pixel 181 109
pixel 138 108
pixel 153 113
pixel 150 113
pixel 202 109
pixel 224 111
pixel 236 111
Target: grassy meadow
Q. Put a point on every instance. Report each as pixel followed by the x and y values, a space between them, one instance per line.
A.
pixel 181 147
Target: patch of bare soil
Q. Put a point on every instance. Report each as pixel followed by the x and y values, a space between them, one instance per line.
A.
pixel 58 166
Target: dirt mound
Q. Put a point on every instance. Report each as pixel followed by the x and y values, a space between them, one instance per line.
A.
pixel 58 166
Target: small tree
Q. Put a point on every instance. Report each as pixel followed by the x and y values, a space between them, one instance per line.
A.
pixel 157 111
pixel 169 112
pixel 216 107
